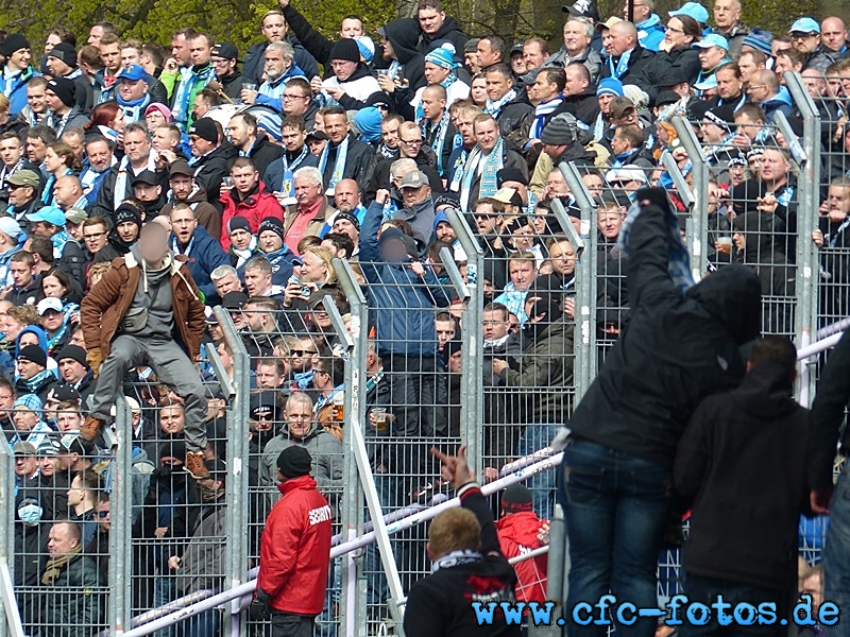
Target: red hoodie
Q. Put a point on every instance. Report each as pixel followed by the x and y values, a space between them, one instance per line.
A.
pixel 295 549
pixel 255 208
pixel 518 535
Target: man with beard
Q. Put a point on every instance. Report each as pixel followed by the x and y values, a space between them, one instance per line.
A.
pixel 185 190
pixel 280 69
pixel 204 253
pixel 147 190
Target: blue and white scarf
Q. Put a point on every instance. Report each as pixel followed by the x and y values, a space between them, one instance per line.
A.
pixel 543 110
pixel 494 108
pixel 436 138
pixel 487 166
pixel 120 189
pixel 183 91
pixel 286 184
pixel 678 259
pixel 59 240
pixel 134 110
pixel 622 65
pixel 339 164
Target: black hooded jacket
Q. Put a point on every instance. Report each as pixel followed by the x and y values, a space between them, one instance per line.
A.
pixel 677 349
pixel 742 462
pixel 403 34
pixel 450 31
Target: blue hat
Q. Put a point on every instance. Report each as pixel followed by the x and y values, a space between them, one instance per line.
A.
pixel 441 56
pixel 30 402
pixel 368 122
pixel 805 25
pixel 692 9
pixel 712 39
pixel 133 73
pixel 366 46
pixel 49 214
pixel 707 83
pixel 610 86
pixel 760 40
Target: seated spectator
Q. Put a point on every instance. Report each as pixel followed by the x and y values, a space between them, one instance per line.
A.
pixel 521 531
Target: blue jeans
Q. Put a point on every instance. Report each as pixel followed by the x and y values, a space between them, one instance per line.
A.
pixel 542 485
pixel 836 554
pixel 706 591
pixel 164 592
pixel 615 507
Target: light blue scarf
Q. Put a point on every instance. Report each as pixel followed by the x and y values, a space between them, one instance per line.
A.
pixel 622 66
pixel 493 163
pixel 339 164
pixel 494 108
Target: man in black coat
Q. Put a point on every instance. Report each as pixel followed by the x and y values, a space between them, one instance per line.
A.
pixel 467 566
pixel 628 61
pixel 678 348
pixel 826 432
pixel 742 463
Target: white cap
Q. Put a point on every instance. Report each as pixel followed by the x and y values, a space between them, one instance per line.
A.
pixel 49 303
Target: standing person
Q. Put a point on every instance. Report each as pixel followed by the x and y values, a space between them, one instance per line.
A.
pixel 825 435
pixel 742 461
pixel 294 551
pixel 679 347
pixel 131 317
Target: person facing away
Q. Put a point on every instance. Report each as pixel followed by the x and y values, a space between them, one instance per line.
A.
pixel 742 463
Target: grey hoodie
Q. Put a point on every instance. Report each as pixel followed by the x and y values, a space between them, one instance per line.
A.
pixel 154 295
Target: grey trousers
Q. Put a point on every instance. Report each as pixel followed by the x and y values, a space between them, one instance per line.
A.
pixel 173 367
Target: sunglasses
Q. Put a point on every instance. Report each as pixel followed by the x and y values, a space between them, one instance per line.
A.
pixel 303 352
pixel 262 416
pixel 103 514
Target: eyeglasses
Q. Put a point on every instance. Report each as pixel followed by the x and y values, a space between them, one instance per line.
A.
pixel 672 30
pixel 303 352
pixel 94 236
pixel 411 142
pixel 803 36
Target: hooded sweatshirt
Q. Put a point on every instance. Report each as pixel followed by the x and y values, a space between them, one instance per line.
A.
pixel 154 295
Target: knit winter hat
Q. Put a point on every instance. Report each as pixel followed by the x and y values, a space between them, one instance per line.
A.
pixel 345 49
pixel 294 462
pixel 560 130
pixel 64 89
pixel 13 43
pixel 516 499
pixel 609 86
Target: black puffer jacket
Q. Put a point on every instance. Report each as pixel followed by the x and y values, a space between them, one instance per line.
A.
pixel 677 349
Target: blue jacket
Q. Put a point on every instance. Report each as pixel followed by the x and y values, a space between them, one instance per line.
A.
pixel 205 255
pixel 650 32
pixel 271 93
pixel 5 260
pixel 16 90
pixel 405 304
pixel 273 179
pixel 779 102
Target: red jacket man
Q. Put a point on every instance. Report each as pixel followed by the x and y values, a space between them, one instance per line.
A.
pixel 520 532
pixel 295 550
pixel 247 198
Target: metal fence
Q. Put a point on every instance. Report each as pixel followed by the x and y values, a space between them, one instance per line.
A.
pixel 384 361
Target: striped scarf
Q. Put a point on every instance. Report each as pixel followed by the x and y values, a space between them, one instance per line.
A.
pixel 543 110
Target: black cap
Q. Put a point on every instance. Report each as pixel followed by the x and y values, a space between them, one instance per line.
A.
pixel 294 462
pixel 205 128
pixel 64 393
pixel 64 89
pixel 65 52
pixel 582 9
pixel 146 177
pixel 318 135
pixel 234 300
pixel 263 402
pixel 226 50
pixel 510 174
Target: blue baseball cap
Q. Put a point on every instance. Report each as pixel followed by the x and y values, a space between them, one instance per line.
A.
pixel 805 25
pixel 133 73
pixel 692 9
pixel 29 402
pixel 49 214
pixel 712 39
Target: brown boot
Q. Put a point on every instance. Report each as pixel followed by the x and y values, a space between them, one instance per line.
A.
pixel 195 465
pixel 91 428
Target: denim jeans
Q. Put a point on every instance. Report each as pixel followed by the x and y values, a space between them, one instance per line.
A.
pixel 836 554
pixel 164 592
pixel 615 507
pixel 542 485
pixel 706 591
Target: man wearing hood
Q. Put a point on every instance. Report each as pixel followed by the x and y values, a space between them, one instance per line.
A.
pixel 146 310
pixel 33 377
pixel 404 63
pixel 437 26
pixel 741 466
pixel 678 348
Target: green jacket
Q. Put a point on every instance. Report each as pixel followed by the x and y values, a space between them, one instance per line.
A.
pixel 73 606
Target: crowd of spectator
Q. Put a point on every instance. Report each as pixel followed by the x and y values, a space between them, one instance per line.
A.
pixel 262 167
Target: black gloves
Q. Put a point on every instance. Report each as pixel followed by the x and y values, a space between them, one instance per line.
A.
pixel 259 609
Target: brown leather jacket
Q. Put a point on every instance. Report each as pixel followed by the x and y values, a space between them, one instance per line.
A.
pixel 105 306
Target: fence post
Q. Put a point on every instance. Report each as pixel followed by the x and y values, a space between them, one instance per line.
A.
pixel 120 528
pixel 698 237
pixel 10 618
pixel 236 548
pixel 353 594
pixel 472 388
pixel 807 212
pixel 586 268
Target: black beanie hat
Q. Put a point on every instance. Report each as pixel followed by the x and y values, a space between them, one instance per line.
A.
pixel 64 90
pixel 33 354
pixel 516 499
pixel 74 352
pixel 127 212
pixel 345 49
pixel 294 462
pixel 13 43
